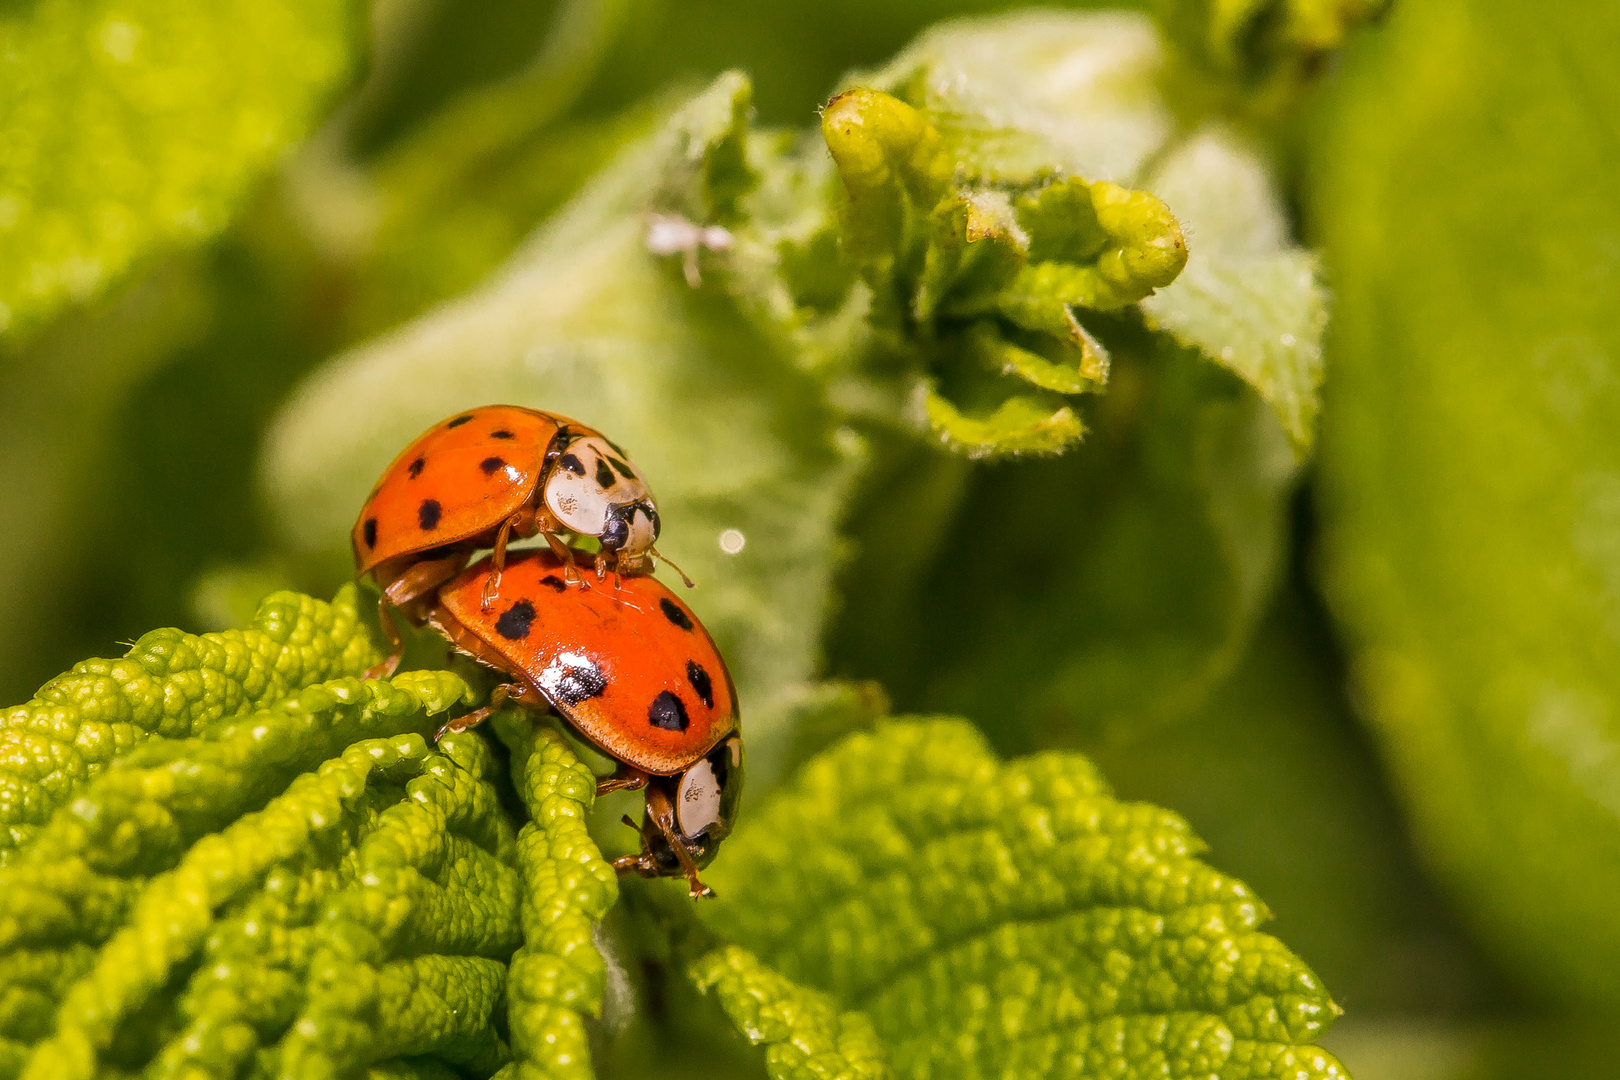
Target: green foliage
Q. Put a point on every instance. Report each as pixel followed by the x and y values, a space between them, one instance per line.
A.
pixel 130 127
pixel 1469 467
pixel 991 917
pixel 170 684
pixel 804 1033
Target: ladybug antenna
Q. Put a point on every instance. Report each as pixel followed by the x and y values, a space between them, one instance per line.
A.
pixel 665 560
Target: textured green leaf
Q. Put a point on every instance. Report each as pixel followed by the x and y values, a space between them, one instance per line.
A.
pixel 1013 918
pixel 134 126
pixel 170 684
pixel 585 321
pixel 557 977
pixel 1471 463
pixel 1250 299
pixel 805 1035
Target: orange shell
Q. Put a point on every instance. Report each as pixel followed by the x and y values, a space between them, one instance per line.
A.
pixel 462 477
pixel 629 665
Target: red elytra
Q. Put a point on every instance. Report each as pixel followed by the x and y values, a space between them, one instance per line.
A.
pixel 628 665
pixel 460 479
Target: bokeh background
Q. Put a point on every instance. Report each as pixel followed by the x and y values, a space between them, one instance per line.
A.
pixel 1390 702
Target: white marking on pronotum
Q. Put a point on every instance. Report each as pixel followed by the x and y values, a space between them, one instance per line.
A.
pixel 697 801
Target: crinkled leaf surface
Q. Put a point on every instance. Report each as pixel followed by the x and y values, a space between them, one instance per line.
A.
pixel 132 126
pixel 1471 469
pixel 805 1034
pixel 1013 918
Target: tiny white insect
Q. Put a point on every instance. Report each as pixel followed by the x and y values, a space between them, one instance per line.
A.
pixel 671 234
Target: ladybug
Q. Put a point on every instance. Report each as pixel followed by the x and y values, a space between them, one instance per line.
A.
pixel 481 477
pixel 637 676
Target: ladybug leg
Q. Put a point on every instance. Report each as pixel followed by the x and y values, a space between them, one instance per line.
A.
pixel 570 571
pixel 492 584
pixel 662 814
pixel 396 644
pixel 521 693
pixel 401 594
pixel 626 778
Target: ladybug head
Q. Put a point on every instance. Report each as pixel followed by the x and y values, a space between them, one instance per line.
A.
pixel 593 490
pixel 706 799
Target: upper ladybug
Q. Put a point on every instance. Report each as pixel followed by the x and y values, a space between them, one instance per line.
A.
pixel 635 672
pixel 474 481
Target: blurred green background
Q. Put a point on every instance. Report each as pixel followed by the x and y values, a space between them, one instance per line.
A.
pixel 1387 698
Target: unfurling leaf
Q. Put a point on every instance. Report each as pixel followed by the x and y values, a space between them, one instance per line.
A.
pixel 1013 918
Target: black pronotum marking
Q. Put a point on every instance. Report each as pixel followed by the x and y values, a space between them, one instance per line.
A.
pixel 368 532
pixel 573 679
pixel 514 623
pixel 667 712
pixel 416 467
pixel 552 581
pixel 622 468
pixel 674 614
pixel 500 433
pixel 700 682
pixel 572 464
pixel 490 464
pixel 458 421
pixel 427 515
pixel 604 475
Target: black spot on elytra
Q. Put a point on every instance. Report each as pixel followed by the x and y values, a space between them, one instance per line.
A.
pixel 622 468
pixel 667 712
pixel 500 434
pixel 368 532
pixel 427 515
pixel 490 464
pixel 700 682
pixel 458 421
pixel 514 623
pixel 552 581
pixel 572 464
pixel 576 681
pixel 416 467
pixel 674 614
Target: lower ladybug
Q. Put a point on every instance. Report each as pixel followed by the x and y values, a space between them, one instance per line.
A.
pixel 478 479
pixel 636 675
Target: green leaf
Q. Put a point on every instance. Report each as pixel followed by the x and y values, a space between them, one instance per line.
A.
pixel 734 437
pixel 1250 299
pixel 1469 464
pixel 170 684
pixel 805 1035
pixel 557 977
pixel 994 918
pixel 1019 425
pixel 135 126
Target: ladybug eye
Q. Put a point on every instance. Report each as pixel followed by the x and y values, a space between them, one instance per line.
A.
pixel 615 533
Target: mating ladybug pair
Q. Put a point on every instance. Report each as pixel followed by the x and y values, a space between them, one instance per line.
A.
pixel 624 660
